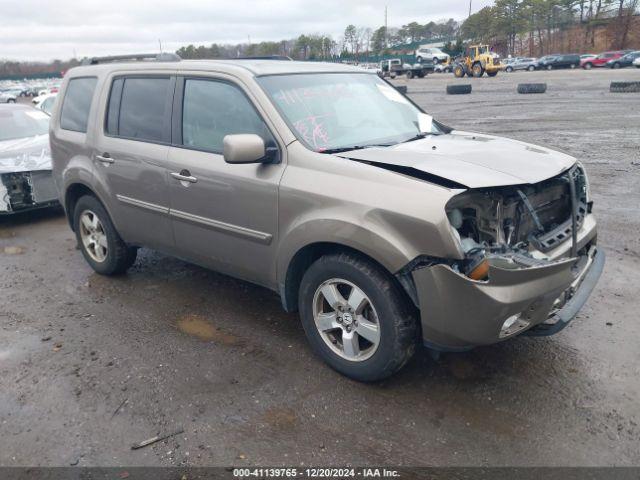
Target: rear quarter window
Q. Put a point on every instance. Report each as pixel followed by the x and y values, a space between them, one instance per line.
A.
pixel 77 104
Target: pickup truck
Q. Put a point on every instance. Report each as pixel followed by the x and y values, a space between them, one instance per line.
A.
pixel 394 67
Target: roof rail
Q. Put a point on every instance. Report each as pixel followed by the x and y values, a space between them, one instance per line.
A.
pixel 265 57
pixel 158 57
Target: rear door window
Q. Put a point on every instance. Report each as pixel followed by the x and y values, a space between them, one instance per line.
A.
pixel 140 108
pixel 77 104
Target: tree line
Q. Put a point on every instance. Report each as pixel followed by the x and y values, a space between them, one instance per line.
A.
pixel 356 43
pixel 519 26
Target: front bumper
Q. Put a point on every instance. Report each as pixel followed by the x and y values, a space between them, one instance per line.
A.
pixel 459 313
pixel 24 191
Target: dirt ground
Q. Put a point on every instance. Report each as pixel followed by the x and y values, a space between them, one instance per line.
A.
pixel 90 365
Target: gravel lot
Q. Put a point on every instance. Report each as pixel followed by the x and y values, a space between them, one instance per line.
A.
pixel 185 347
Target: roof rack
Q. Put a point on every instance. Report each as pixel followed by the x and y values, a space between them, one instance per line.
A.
pixel 158 57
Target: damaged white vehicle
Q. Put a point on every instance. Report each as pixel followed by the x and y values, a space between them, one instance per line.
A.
pixel 25 160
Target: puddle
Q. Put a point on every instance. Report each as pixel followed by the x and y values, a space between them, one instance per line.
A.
pixel 280 417
pixel 201 328
pixel 14 250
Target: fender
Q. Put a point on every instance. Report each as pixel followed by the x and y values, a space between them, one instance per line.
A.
pixel 334 231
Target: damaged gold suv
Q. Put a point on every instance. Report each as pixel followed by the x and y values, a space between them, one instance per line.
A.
pixel 322 182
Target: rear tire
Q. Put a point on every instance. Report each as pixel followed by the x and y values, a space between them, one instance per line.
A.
pixel 386 316
pixel 477 70
pixel 409 75
pixel 100 243
pixel 458 71
pixel 509 69
pixel 531 68
pixel 492 74
pixel 436 61
pixel 588 66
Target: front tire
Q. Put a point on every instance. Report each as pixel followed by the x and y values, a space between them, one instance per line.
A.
pixel 531 68
pixel 356 318
pixel 100 243
pixel 477 70
pixel 588 66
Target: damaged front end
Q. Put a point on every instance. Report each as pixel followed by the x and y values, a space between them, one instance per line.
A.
pixel 528 259
pixel 21 191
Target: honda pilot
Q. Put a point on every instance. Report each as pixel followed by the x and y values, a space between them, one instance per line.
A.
pixel 382 227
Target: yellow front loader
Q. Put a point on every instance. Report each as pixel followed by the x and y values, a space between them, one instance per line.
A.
pixel 477 60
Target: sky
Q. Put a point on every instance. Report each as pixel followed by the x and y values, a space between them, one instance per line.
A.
pixel 45 30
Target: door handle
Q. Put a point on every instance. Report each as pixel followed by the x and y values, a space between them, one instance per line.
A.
pixel 184 176
pixel 105 158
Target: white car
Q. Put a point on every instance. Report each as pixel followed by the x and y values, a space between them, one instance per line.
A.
pixel 45 102
pixel 636 62
pixel 8 96
pixel 443 68
pixel 434 54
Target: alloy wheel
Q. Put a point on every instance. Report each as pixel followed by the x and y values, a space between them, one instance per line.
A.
pixel 93 236
pixel 346 320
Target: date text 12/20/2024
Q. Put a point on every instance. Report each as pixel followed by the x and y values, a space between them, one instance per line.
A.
pixel 315 473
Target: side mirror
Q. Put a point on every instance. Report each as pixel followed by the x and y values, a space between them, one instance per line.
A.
pixel 244 148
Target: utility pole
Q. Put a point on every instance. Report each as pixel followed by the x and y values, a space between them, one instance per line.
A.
pixel 470 7
pixel 160 44
pixel 386 27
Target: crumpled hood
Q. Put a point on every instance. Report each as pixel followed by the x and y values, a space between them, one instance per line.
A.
pixel 473 160
pixel 25 154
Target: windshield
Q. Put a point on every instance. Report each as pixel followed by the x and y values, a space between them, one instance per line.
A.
pixel 21 123
pixel 334 111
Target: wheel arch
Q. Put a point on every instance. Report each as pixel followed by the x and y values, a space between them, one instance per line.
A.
pixel 72 194
pixel 305 256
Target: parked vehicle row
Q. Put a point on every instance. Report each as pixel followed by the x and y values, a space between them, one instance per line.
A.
pixel 618 59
